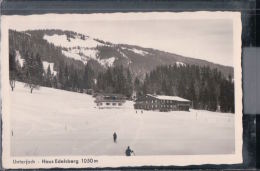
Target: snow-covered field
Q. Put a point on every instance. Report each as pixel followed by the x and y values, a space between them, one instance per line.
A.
pixel 56 122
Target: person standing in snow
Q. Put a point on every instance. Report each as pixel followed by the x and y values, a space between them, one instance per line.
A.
pixel 114 137
pixel 128 151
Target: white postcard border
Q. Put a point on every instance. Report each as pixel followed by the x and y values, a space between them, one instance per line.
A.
pixel 122 161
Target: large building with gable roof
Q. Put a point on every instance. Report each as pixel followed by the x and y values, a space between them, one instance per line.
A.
pixel 162 103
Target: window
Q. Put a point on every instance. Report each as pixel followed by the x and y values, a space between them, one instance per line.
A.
pixel 107 104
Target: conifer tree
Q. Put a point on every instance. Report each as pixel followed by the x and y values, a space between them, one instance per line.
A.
pixel 61 77
pixel 32 72
pixel 88 77
pixel 39 71
pixel 48 77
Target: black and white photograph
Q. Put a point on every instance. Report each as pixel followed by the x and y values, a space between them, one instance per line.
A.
pixel 136 88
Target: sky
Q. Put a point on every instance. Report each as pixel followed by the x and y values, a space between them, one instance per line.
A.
pixel 196 35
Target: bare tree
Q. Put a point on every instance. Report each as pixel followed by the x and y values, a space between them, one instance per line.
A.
pixel 12 69
pixel 32 86
pixel 12 83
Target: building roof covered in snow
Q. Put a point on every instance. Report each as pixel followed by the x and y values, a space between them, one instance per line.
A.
pixel 163 97
pixel 109 97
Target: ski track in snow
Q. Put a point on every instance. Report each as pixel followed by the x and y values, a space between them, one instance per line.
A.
pixel 45 124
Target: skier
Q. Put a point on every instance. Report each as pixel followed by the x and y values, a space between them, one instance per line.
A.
pixel 114 137
pixel 128 151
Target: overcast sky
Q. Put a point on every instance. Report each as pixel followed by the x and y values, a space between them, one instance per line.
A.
pixel 206 38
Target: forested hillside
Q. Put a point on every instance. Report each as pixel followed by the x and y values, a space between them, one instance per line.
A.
pixel 79 49
pixel 206 88
pixel 72 61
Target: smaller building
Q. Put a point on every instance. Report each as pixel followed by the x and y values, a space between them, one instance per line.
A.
pixel 106 101
pixel 162 103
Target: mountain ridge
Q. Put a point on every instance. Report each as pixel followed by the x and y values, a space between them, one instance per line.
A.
pixel 77 47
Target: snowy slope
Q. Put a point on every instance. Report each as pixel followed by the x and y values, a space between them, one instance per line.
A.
pixel 64 41
pixel 107 62
pixel 137 51
pixel 82 54
pixel 180 64
pixel 79 49
pixel 57 122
